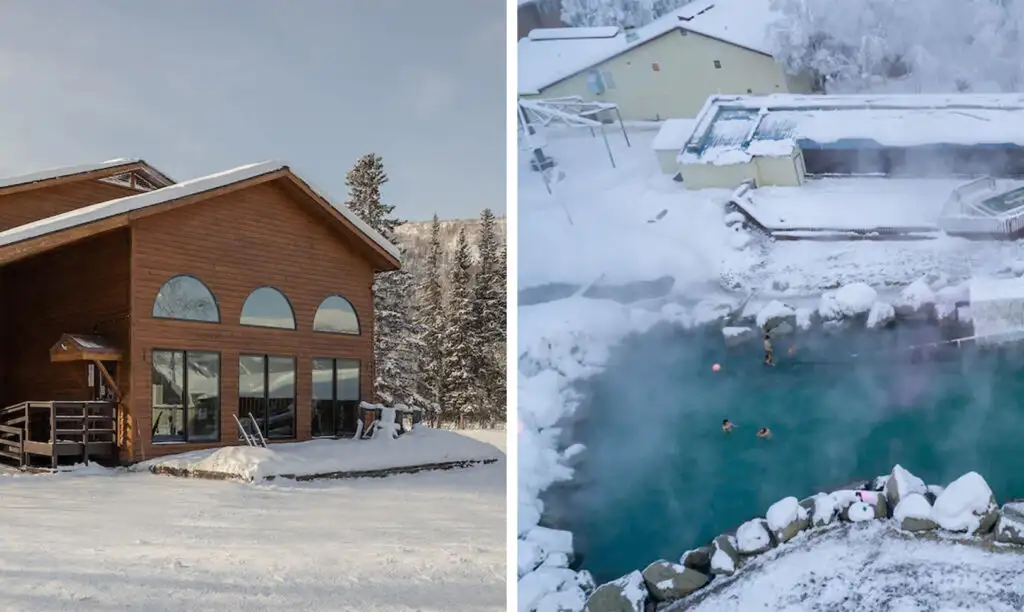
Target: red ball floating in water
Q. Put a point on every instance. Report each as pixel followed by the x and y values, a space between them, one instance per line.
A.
pixel 716 367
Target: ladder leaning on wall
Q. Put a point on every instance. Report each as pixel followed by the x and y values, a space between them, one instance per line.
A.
pixel 252 439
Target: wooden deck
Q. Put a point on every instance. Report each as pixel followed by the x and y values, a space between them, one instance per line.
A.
pixel 54 430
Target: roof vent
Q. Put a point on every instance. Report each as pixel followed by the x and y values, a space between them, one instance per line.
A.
pixel 631 35
pixel 689 16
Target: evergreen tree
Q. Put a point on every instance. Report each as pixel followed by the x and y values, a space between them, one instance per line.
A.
pixel 486 324
pixel 395 337
pixel 458 345
pixel 431 321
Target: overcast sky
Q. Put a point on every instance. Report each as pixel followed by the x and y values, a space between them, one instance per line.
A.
pixel 195 87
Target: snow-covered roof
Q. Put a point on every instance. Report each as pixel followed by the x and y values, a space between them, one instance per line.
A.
pixel 112 208
pixel 733 128
pixel 673 134
pixel 63 171
pixel 548 58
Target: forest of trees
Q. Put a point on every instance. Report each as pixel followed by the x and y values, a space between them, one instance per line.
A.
pixel 438 341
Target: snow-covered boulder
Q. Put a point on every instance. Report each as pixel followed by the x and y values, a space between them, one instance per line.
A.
pixel 735 336
pixel 585 581
pixel 706 312
pixel 725 558
pixel 847 301
pixel 966 504
pixel 914 513
pixel 753 537
pixel 626 594
pixel 855 505
pixel 529 556
pixel 538 584
pixel 945 313
pixel 900 483
pixel 881 315
pixel 786 518
pixel 859 511
pixel 668 581
pixel 805 318
pixel 572 599
pixel 933 493
pixel 556 560
pixel 1010 526
pixel 878 483
pixel 821 509
pixel 774 314
pixel 698 558
pixel 551 540
pixel 917 300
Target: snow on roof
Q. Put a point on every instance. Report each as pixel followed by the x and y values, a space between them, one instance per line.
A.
pixel 573 33
pixel 748 123
pixel 112 208
pixel 673 134
pixel 543 61
pixel 53 173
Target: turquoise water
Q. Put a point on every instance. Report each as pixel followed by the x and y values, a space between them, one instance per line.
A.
pixel 660 477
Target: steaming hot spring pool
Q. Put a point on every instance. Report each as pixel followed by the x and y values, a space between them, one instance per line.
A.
pixel 659 477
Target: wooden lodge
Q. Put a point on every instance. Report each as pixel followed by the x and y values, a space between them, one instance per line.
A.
pixel 142 317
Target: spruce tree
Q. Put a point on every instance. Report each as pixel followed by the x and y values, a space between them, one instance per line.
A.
pixel 458 344
pixel 487 325
pixel 395 341
pixel 431 321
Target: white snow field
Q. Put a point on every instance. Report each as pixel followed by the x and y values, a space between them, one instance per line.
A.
pixel 871 566
pixel 96 539
pixel 605 225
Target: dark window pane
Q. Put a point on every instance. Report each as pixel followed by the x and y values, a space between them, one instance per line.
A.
pixel 251 392
pixel 336 315
pixel 267 307
pixel 186 297
pixel 203 387
pixel 325 421
pixel 168 391
pixel 348 379
pixel 281 418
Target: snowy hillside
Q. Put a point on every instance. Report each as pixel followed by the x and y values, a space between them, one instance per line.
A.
pixel 415 236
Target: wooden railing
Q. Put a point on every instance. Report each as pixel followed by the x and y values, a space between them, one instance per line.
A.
pixel 58 428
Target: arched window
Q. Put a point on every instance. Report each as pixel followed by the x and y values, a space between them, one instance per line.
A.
pixel 336 315
pixel 187 298
pixel 268 307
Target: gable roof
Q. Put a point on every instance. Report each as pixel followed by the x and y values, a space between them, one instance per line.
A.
pixel 388 255
pixel 105 169
pixel 544 60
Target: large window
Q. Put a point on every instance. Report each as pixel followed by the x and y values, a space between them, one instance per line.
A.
pixel 266 390
pixel 187 298
pixel 186 396
pixel 336 315
pixel 268 307
pixel 335 396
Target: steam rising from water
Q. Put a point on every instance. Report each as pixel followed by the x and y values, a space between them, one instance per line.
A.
pixel 659 477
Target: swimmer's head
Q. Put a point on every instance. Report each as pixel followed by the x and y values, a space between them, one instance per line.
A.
pixel 725 421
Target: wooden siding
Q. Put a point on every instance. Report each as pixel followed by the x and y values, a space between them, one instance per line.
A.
pixel 263 235
pixel 80 288
pixel 23 207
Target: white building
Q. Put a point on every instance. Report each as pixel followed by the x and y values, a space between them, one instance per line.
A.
pixel 665 69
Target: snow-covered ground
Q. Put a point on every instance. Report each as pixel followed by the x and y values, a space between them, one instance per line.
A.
pixel 871 566
pixel 631 223
pixel 94 539
pixel 422 446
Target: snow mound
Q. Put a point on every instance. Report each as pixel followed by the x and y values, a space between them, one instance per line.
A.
pixel 914 506
pixel 963 502
pixel 860 512
pixel 774 311
pixel 752 537
pixel 424 446
pixel 881 314
pixel 784 512
pixel 721 562
pixel 847 301
pixel 915 296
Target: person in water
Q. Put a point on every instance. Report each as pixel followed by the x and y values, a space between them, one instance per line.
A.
pixel 727 426
pixel 768 353
pixel 764 432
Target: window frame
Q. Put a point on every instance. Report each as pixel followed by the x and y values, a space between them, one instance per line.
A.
pixel 359 322
pixel 335 402
pixel 216 303
pixel 184 400
pixel 264 430
pixel 287 300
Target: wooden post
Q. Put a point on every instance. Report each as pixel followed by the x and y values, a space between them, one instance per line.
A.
pixel 53 436
pixel 85 432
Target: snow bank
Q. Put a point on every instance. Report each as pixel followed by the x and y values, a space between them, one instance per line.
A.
pixel 963 503
pixel 423 446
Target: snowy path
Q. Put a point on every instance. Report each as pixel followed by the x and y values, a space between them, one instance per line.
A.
pixel 431 541
pixel 867 567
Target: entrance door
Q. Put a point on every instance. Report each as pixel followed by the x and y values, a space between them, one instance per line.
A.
pixel 99 389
